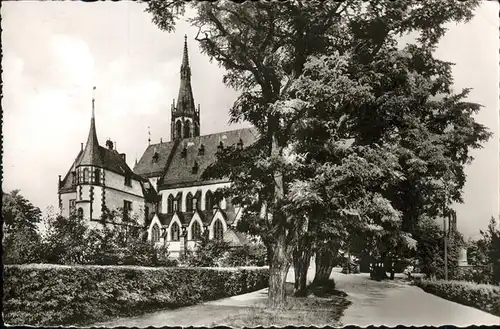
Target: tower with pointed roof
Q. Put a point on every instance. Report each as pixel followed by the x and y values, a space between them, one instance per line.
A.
pixel 185 118
pixel 100 180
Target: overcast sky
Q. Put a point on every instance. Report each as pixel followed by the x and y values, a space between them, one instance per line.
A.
pixel 54 52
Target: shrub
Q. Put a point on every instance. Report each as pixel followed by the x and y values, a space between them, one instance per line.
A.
pixel 249 255
pixel 481 296
pixel 62 295
pixel 477 274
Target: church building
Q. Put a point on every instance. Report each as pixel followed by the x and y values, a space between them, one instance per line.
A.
pixel 164 189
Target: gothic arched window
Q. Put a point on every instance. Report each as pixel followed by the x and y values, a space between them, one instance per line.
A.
pixel 97 176
pixel 155 234
pixel 175 232
pixel 195 231
pixel 187 129
pixel 218 230
pixel 209 200
pixel 189 202
pixel 86 175
pixel 178 129
pixel 170 204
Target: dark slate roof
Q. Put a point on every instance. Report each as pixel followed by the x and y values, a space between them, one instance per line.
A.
pixel 146 167
pixel 179 170
pixel 91 154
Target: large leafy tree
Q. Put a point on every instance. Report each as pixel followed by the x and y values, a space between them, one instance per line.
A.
pixel 264 48
pixel 21 239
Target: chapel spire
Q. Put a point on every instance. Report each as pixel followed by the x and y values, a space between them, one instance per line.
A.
pixel 91 153
pixel 185 117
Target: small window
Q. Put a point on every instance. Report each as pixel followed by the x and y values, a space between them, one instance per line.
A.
pixel 97 176
pixel 127 208
pixel 128 180
pixel 175 232
pixel 221 146
pixel 155 234
pixel 80 213
pixel 156 156
pixel 72 206
pixel 195 231
pixel 86 175
pixel 201 150
pixel 218 230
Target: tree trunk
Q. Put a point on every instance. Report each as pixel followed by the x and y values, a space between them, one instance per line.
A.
pixel 324 266
pixel 301 261
pixel 279 264
pixel 392 269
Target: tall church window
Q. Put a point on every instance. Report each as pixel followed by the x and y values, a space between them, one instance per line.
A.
pixel 86 175
pixel 189 202
pixel 218 230
pixel 209 200
pixel 175 232
pixel 155 234
pixel 187 129
pixel 195 231
pixel 97 176
pixel 178 202
pixel 178 128
pixel 170 204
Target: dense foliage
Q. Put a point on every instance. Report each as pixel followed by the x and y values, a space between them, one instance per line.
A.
pixel 358 136
pixel 484 255
pixel 21 237
pixel 51 295
pixel 210 253
pixel 430 249
pixel 481 296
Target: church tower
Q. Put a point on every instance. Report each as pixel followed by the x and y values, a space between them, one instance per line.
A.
pixel 185 117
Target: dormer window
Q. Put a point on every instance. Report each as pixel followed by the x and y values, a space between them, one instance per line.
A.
pixel 155 157
pixel 195 167
pixel 201 150
pixel 128 180
pixel 240 144
pixel 184 152
pixel 220 147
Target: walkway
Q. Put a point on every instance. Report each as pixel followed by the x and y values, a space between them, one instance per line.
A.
pixel 393 303
pixel 373 303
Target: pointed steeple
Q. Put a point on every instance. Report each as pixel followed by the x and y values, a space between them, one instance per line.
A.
pixel 185 116
pixel 185 100
pixel 91 153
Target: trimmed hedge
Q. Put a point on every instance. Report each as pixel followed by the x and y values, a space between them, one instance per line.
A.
pixel 481 296
pixel 43 294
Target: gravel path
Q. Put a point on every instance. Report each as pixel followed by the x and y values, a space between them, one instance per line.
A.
pixel 393 303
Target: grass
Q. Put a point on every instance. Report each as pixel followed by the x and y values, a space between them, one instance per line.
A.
pixel 298 311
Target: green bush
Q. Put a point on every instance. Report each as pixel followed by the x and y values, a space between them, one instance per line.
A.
pixel 42 294
pixel 253 255
pixel 481 296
